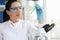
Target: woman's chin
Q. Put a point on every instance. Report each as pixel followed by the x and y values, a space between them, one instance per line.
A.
pixel 18 19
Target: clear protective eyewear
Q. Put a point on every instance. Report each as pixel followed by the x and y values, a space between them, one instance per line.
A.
pixel 15 8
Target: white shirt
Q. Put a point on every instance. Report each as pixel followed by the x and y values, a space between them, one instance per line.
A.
pixel 16 31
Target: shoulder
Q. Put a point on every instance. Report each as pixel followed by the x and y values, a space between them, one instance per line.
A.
pixel 30 25
pixel 27 22
pixel 3 25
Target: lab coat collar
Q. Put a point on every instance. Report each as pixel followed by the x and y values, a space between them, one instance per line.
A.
pixel 14 24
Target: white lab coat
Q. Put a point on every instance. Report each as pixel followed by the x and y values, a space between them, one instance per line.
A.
pixel 17 31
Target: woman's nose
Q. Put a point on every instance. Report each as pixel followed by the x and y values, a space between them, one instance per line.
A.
pixel 18 9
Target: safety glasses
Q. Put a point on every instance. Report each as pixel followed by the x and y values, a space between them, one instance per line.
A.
pixel 15 8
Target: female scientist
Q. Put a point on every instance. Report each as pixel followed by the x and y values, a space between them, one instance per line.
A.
pixel 14 28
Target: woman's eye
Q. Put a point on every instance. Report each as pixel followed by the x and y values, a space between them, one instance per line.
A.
pixel 13 9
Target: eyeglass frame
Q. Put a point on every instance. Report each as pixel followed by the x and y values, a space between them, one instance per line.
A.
pixel 15 8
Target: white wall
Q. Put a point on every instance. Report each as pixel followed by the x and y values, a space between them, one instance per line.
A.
pixel 53 15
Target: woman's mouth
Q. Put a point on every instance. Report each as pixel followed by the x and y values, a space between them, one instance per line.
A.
pixel 18 14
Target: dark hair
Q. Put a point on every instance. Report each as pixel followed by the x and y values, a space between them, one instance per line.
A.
pixel 6 17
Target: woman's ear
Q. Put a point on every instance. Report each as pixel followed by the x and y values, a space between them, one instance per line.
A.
pixel 7 12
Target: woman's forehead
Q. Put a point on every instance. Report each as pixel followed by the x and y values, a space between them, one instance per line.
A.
pixel 15 4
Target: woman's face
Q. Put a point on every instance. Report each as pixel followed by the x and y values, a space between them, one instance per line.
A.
pixel 15 11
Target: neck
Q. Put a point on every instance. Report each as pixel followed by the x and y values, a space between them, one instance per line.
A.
pixel 14 20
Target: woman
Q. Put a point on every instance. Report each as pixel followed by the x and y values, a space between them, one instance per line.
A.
pixel 13 28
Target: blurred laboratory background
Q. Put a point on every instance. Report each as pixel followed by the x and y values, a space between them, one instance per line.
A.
pixel 50 14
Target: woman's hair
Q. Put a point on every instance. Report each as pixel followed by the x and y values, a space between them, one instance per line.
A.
pixel 6 17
